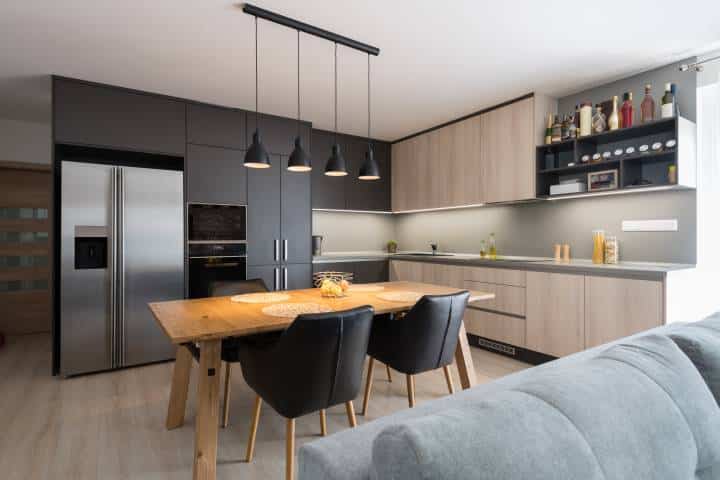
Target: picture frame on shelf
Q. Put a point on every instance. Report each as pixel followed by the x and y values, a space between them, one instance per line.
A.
pixel 603 180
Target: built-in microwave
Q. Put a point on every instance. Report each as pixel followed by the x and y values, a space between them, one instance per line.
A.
pixel 214 223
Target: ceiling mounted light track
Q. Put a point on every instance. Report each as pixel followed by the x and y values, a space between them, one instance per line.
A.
pixel 256 156
pixel 299 160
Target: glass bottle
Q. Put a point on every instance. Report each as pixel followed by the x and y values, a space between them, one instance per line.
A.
pixel 572 127
pixel 556 130
pixel 585 119
pixel 483 249
pixel 613 121
pixel 564 128
pixel 612 250
pixel 548 129
pixel 627 110
pixel 598 121
pixel 667 105
pixel 647 107
pixel 492 250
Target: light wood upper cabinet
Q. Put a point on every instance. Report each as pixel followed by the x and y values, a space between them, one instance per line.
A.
pixel 555 317
pixel 618 307
pixel 508 152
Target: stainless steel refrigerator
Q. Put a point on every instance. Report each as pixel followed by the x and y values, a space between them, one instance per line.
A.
pixel 121 247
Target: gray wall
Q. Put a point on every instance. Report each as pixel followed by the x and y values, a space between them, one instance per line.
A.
pixel 353 232
pixel 686 90
pixel 533 229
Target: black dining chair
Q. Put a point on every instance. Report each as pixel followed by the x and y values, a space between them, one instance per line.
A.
pixel 422 340
pixel 315 364
pixel 229 346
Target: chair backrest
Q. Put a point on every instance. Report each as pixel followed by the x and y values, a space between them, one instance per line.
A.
pixel 224 289
pixel 323 356
pixel 430 332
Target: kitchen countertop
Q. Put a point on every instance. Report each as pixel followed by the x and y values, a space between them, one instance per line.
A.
pixel 649 270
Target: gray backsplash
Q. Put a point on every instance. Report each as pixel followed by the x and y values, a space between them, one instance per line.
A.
pixel 353 232
pixel 533 229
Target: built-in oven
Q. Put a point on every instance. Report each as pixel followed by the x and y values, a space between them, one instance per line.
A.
pixel 217 246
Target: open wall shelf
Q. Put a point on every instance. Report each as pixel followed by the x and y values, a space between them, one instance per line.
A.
pixel 560 162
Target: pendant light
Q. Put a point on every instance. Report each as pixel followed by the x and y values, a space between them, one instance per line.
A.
pixel 256 156
pixel 335 166
pixel 369 169
pixel 299 160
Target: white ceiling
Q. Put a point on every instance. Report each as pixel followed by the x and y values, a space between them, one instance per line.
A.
pixel 439 60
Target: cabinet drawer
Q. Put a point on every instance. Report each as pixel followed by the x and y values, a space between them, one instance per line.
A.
pixel 508 299
pixel 495 326
pixel 501 276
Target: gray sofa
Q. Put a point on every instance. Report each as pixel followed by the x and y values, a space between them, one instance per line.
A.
pixel 643 408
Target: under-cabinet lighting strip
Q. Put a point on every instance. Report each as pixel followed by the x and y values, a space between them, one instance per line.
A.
pixel 440 209
pixel 614 192
pixel 340 210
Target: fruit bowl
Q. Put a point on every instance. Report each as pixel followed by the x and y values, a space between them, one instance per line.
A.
pixel 334 289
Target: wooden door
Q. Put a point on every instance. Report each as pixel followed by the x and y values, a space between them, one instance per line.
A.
pixel 618 307
pixel 25 248
pixel 401 153
pixel 508 144
pixel 555 315
pixel 402 271
pixel 465 173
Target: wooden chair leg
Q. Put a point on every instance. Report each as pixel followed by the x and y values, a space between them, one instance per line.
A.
pixel 448 379
pixel 226 398
pixel 387 369
pixel 411 390
pixel 323 423
pixel 253 430
pixel 290 450
pixel 351 414
pixel 368 385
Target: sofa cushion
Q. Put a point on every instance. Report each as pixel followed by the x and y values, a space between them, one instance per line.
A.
pixel 637 410
pixel 701 343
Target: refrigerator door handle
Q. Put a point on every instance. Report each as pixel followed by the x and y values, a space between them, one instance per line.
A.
pixel 113 268
pixel 121 265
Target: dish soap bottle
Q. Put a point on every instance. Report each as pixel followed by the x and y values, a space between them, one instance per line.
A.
pixel 492 248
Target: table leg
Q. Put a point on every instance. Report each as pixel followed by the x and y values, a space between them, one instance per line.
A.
pixel 179 388
pixel 463 360
pixel 206 421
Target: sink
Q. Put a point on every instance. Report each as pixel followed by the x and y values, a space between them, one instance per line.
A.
pixel 424 254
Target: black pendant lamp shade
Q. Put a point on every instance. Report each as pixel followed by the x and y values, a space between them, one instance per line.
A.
pixel 335 166
pixel 256 156
pixel 299 160
pixel 369 169
pixel 336 163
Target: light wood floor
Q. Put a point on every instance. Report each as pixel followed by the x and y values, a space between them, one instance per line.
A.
pixel 111 425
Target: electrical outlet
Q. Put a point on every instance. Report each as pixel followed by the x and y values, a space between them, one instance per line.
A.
pixel 670 225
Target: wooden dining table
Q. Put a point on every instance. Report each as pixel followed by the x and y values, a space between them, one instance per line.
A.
pixel 206 321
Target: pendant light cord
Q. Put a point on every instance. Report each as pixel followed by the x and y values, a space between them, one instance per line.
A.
pixel 298 82
pixel 256 74
pixel 336 96
pixel 368 86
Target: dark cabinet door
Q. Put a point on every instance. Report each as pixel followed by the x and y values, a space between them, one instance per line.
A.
pixel 296 216
pixel 270 274
pixel 372 195
pixel 327 192
pixel 215 175
pixel 263 215
pixel 296 276
pixel 347 267
pixel 217 126
pixel 117 118
pixel 278 133
pixel 371 272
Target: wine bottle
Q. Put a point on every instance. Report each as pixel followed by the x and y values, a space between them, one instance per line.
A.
pixel 667 108
pixel 556 130
pixel 627 110
pixel 614 120
pixel 647 107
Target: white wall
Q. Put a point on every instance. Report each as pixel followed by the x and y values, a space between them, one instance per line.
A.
pixel 25 141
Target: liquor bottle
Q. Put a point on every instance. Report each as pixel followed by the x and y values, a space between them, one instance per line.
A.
pixel 667 106
pixel 492 250
pixel 564 128
pixel 548 129
pixel 647 107
pixel 627 110
pixel 676 103
pixel 572 126
pixel 614 120
pixel 599 124
pixel 556 130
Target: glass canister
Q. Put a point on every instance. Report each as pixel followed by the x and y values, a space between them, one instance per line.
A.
pixel 612 252
pixel 598 246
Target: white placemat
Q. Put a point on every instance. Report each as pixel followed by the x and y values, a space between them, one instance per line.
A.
pixel 292 310
pixel 366 288
pixel 261 297
pixel 400 296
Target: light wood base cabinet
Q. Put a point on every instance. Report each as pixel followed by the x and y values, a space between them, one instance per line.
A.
pixel 495 326
pixel 618 307
pixel 555 313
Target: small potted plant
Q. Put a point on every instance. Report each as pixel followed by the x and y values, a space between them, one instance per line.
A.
pixel 392 246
